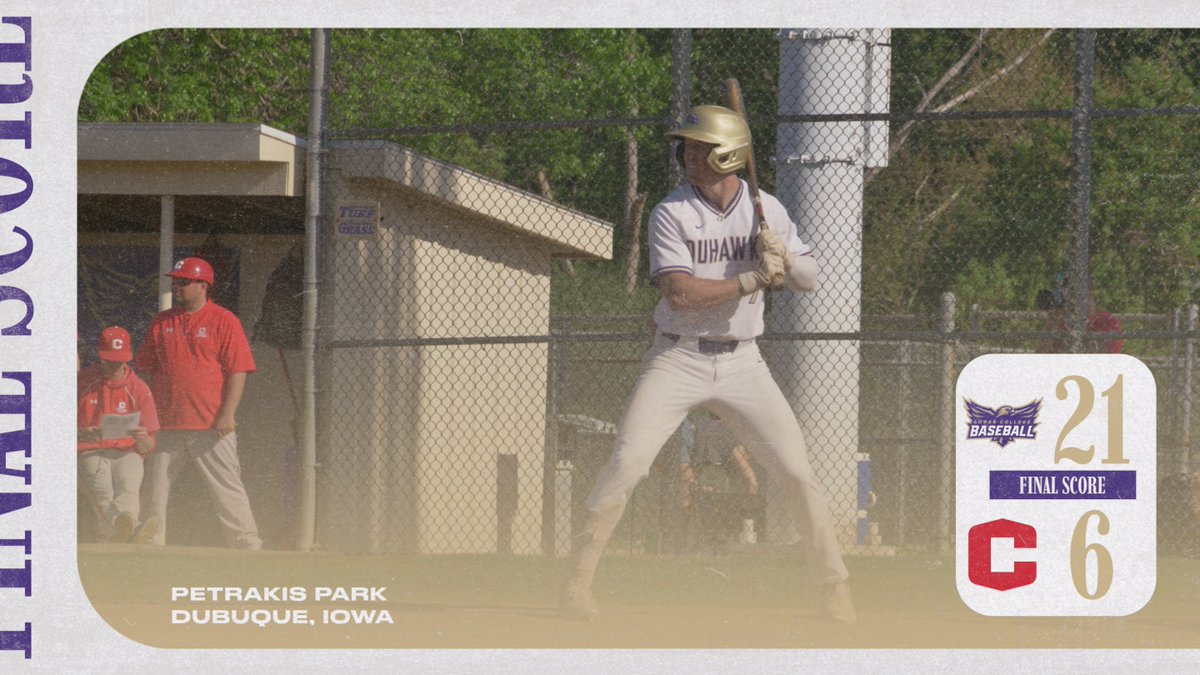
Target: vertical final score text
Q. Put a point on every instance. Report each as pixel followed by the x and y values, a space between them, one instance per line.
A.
pixel 16 186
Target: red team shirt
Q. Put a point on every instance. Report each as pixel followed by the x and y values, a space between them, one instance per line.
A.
pixel 99 397
pixel 1100 322
pixel 190 355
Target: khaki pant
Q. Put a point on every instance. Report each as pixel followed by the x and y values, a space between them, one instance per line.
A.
pixel 111 480
pixel 675 378
pixel 217 460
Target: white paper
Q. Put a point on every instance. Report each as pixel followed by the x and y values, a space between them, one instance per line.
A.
pixel 118 426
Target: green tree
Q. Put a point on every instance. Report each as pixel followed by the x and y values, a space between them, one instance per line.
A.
pixel 198 75
pixel 980 208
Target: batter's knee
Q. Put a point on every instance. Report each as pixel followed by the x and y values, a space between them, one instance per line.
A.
pixel 617 479
pixel 635 466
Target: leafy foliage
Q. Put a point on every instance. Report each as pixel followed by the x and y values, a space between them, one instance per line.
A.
pixel 981 208
pixel 196 75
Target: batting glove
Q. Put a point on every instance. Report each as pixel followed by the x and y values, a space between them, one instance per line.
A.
pixel 770 266
pixel 769 241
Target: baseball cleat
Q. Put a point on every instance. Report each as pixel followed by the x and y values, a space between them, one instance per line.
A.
pixel 836 605
pixel 254 544
pixel 122 528
pixel 146 531
pixel 576 601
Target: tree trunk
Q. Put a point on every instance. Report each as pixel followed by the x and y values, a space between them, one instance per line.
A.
pixel 634 203
pixel 633 254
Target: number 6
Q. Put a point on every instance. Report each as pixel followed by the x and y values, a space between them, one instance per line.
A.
pixel 1079 552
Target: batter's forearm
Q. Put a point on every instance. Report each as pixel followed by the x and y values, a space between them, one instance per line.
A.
pixel 685 292
pixel 802 274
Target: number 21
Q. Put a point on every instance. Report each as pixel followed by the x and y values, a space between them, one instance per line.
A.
pixel 1087 399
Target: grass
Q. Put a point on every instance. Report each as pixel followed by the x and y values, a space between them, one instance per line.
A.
pixel 597 288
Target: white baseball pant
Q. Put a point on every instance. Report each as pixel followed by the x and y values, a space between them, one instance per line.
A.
pixel 675 378
pixel 111 479
pixel 217 460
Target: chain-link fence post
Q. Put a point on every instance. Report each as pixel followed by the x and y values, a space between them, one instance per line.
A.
pixel 1081 186
pixel 312 195
pixel 166 248
pixel 551 460
pixel 945 508
pixel 902 448
pixel 681 93
pixel 1189 368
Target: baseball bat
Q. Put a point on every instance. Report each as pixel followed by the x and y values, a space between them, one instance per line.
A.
pixel 733 96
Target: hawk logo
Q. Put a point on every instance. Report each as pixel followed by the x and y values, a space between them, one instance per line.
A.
pixel 1002 425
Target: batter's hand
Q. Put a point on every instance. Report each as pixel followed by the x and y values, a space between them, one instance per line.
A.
pixel 224 425
pixel 769 241
pixel 769 266
pixel 773 266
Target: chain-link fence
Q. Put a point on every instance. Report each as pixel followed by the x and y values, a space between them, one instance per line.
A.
pixel 482 347
pixel 484 301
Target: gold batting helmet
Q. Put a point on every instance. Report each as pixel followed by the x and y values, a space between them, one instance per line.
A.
pixel 723 128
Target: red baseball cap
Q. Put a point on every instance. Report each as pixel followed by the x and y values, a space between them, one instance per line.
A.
pixel 114 345
pixel 194 268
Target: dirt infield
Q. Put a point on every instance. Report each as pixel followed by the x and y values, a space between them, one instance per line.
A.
pixel 483 602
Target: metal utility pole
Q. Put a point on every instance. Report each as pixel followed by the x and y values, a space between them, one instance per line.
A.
pixel 819 178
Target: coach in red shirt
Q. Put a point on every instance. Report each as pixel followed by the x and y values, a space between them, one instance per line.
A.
pixel 198 357
pixel 110 469
pixel 1098 322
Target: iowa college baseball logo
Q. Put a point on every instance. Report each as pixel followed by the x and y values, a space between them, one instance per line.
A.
pixel 1065 525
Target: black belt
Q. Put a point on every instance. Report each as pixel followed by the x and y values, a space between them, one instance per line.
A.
pixel 707 346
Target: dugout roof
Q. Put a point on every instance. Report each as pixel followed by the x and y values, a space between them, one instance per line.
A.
pixel 249 179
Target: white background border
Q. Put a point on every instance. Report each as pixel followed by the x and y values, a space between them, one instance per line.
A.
pixel 71 36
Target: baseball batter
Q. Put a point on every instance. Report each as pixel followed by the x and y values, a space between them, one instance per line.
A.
pixel 198 356
pixel 111 469
pixel 711 264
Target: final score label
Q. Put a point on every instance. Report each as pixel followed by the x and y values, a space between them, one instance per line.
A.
pixel 1055 485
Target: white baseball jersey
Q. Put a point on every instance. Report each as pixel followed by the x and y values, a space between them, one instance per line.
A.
pixel 690 234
